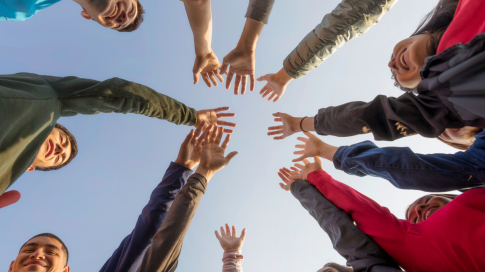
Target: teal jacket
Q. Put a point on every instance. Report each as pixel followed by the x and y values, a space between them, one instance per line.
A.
pixel 30 105
pixel 22 10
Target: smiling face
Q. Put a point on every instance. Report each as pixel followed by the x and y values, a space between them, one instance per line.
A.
pixel 408 58
pixel 114 14
pixel 40 254
pixel 55 150
pixel 423 208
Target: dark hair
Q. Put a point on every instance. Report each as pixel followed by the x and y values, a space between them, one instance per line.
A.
pixel 468 135
pixel 331 267
pixel 50 235
pixel 435 24
pixel 137 21
pixel 74 150
pixel 451 196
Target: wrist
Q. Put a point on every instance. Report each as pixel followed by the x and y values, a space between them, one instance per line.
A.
pixel 295 124
pixel 250 35
pixel 283 77
pixel 328 151
pixel 189 164
pixel 207 173
pixel 203 52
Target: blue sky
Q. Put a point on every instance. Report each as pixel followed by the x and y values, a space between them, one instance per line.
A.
pixel 94 202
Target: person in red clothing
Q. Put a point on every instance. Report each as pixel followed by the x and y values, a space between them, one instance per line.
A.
pixel 444 238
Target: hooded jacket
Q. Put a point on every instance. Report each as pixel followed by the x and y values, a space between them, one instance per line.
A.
pixel 30 105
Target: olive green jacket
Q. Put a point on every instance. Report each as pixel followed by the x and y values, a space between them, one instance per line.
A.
pixel 30 105
pixel 350 19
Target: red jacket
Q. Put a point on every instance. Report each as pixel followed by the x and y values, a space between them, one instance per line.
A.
pixel 450 240
pixel 469 20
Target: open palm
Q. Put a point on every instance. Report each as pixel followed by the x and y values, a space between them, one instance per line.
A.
pixel 230 241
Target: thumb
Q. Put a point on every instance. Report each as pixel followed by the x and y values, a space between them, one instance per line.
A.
pixel 261 78
pixel 224 66
pixel 308 134
pixel 243 234
pixel 230 156
pixel 299 159
pixel 9 198
pixel 317 160
pixel 196 77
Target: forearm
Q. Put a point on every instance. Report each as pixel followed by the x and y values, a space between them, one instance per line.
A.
pixel 86 96
pixel 163 254
pixel 232 261
pixel 408 170
pixel 350 19
pixel 259 10
pixel 249 37
pixel 200 19
pixel 360 251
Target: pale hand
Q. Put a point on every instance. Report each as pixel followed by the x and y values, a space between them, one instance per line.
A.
pixel 286 129
pixel 242 64
pixel 288 177
pixel 189 153
pixel 212 156
pixel 207 66
pixel 211 117
pixel 276 85
pixel 230 241
pixel 313 147
pixel 307 168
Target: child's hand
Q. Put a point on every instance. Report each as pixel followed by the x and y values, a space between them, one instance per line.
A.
pixel 288 177
pixel 308 167
pixel 230 241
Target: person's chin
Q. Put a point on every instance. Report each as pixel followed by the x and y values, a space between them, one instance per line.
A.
pixel 33 268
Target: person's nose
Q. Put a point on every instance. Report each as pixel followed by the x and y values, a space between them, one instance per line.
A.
pixel 38 255
pixel 392 64
pixel 419 212
pixel 122 18
pixel 58 150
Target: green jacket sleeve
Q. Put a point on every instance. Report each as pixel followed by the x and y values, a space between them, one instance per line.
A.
pixel 350 19
pixel 86 96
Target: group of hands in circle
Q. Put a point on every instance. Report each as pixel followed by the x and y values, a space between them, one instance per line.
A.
pixel 203 146
pixel 241 65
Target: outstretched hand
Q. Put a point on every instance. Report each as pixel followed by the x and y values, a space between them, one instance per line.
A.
pixel 242 64
pixel 288 177
pixel 212 155
pixel 276 85
pixel 207 67
pixel 211 117
pixel 189 153
pixel 230 241
pixel 308 168
pixel 288 127
pixel 314 147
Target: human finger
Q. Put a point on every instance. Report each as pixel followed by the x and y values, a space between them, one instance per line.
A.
pixel 214 135
pixel 275 132
pixel 279 137
pixel 212 78
pixel 205 77
pixel 243 234
pixel 234 233
pixel 189 137
pixel 217 235
pixel 198 130
pixel 219 76
pixel 223 68
pixel 294 169
pixel 299 152
pixel 264 89
pixel 252 83
pixel 219 135
pixel 237 82
pixel 228 80
pixel 277 98
pixel 302 146
pixel 225 114
pixel 268 91
pixel 299 159
pixel 243 84
pixel 286 170
pixel 275 127
pixel 226 130
pixel 223 232
pixel 283 173
pixel 317 159
pixel 222 109
pixel 226 141
pixel 261 78
pixel 231 155
pixel 225 123
pixel 282 177
pixel 228 230
pixel 303 139
pixel 278 120
pixel 272 96
pixel 299 165
pixel 306 162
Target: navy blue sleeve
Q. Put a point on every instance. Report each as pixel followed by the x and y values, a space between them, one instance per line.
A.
pixel 408 170
pixel 149 220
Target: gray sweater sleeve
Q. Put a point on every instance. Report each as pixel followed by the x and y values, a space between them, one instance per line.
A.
pixel 163 254
pixel 350 19
pixel 259 10
pixel 361 252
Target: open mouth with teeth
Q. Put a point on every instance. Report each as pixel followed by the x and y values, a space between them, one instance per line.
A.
pixel 403 60
pixel 114 12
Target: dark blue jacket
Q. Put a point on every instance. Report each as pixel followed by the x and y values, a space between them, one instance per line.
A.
pixel 149 220
pixel 408 170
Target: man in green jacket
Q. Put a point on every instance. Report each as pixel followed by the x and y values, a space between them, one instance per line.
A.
pixel 30 106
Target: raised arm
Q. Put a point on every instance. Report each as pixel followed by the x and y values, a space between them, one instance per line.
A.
pixel 350 19
pixel 360 251
pixel 163 254
pixel 206 63
pixel 408 170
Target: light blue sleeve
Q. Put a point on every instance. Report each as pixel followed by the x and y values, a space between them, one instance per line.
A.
pixel 21 10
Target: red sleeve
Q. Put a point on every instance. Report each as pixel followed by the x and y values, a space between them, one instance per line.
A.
pixel 468 21
pixel 371 218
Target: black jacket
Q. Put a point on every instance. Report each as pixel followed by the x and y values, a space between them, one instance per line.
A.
pixel 451 95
